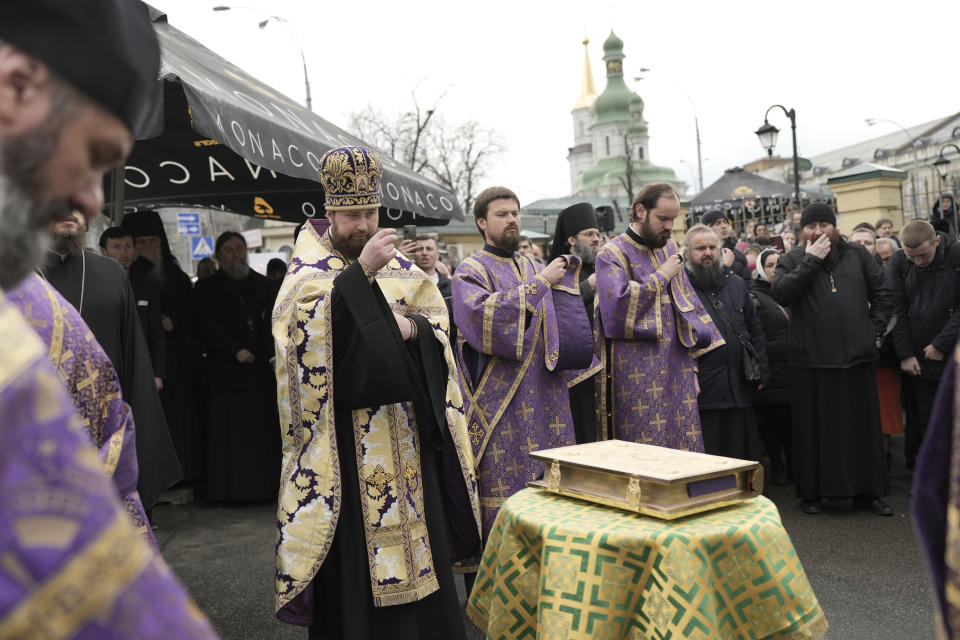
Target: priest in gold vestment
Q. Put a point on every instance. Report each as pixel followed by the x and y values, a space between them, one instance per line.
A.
pixel 378 496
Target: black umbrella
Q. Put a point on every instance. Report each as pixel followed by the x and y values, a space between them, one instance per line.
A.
pixel 219 138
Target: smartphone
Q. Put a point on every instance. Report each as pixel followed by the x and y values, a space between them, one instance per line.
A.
pixel 410 232
pixel 777 243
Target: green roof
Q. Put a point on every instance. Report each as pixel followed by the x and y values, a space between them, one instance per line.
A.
pixel 613 44
pixel 613 105
pixel 865 171
pixel 608 171
pixel 638 126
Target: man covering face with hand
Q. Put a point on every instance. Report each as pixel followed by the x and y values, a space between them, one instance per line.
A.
pixel 840 304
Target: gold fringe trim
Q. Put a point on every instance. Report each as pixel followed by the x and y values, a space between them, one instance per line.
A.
pixel 406 597
pixel 476 617
pixel 471 565
pixel 816 628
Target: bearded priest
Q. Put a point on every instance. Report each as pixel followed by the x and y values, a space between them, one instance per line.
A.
pixel 378 495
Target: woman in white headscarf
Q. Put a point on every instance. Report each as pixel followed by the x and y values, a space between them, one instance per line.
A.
pixel 773 404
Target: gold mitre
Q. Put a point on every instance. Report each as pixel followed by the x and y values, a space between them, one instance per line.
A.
pixel 350 177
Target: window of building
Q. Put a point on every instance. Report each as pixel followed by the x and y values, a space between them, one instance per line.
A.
pixel 608 144
pixel 639 153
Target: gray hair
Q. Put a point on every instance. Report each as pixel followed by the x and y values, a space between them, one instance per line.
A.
pixel 696 230
pixel 890 243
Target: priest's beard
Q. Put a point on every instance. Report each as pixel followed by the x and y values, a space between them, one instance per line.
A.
pixel 23 236
pixel 509 240
pixel 24 215
pixel 349 246
pixel 157 274
pixel 706 276
pixel 586 252
pixel 651 237
pixel 69 243
pixel 236 271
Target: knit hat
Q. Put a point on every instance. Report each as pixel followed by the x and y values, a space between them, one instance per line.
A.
pixel 107 49
pixel 712 216
pixel 818 212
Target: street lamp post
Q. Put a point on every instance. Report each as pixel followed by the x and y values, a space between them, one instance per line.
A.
pixel 768 139
pixel 916 166
pixel 296 41
pixel 941 164
pixel 696 127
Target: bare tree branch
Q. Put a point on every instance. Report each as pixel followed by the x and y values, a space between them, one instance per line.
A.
pixel 457 155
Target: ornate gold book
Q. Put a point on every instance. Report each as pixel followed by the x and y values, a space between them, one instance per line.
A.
pixel 656 481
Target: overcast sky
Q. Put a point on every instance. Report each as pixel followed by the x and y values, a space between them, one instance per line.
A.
pixel 517 66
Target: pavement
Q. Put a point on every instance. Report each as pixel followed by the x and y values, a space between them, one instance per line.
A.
pixel 867 571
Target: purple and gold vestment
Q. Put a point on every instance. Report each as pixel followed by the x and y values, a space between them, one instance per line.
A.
pixel 648 330
pixel 507 351
pixel 92 383
pixel 72 566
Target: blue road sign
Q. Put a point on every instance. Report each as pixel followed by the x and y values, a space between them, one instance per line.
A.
pixel 201 247
pixel 188 224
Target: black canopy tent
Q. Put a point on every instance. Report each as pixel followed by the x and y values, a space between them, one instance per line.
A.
pixel 220 139
pixel 743 196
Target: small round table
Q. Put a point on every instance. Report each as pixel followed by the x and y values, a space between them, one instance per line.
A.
pixel 559 568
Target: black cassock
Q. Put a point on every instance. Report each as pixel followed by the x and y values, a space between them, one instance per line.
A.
pixel 374 366
pixel 109 309
pixel 240 420
pixel 583 395
pixel 182 352
pixel 147 298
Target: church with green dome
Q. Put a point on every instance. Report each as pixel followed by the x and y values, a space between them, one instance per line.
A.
pixel 608 129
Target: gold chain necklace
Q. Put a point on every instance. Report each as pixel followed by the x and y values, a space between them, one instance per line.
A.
pixel 83 277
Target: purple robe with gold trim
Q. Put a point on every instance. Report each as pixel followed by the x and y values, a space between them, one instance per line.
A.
pixel 648 330
pixel 507 351
pixel 935 507
pixel 89 377
pixel 71 566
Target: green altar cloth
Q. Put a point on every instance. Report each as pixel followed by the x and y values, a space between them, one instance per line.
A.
pixel 556 568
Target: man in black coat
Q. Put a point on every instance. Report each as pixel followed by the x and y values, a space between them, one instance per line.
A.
pixel 840 304
pixel 117 243
pixel 726 397
pixel 156 263
pixel 100 290
pixel 730 256
pixel 242 447
pixel 927 307
pixel 944 215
